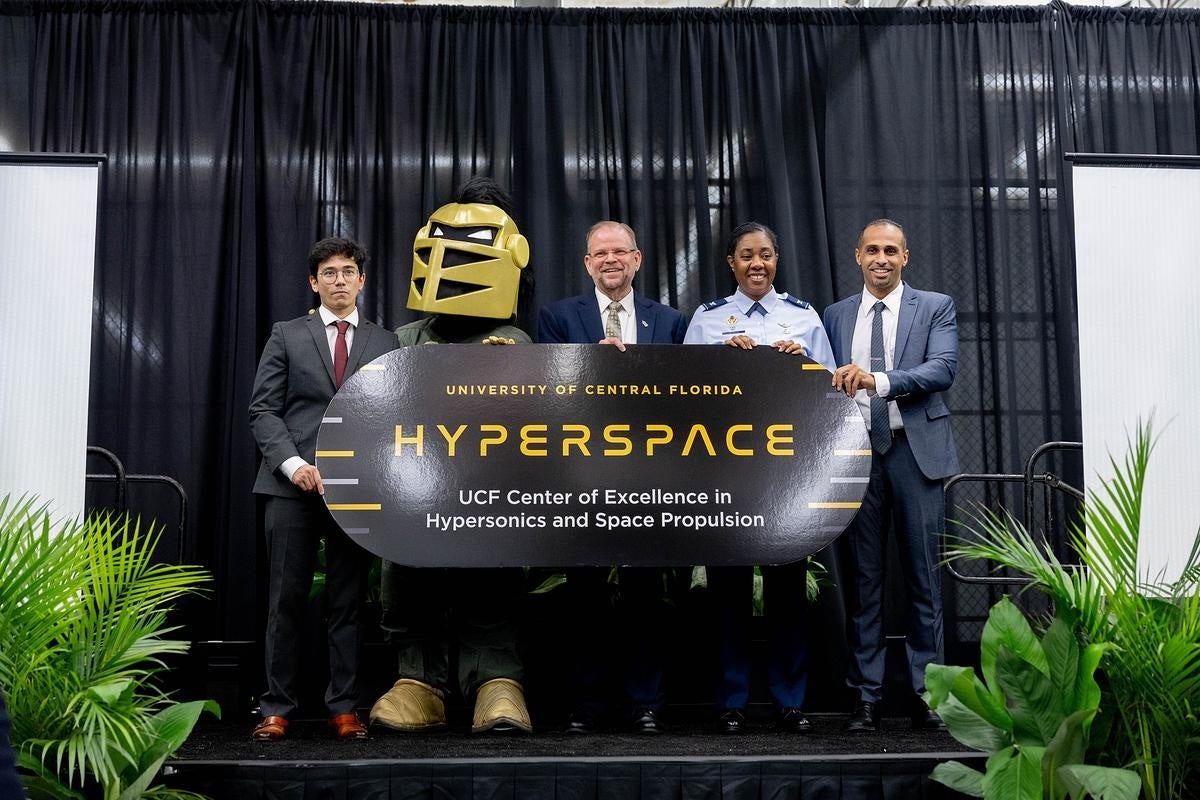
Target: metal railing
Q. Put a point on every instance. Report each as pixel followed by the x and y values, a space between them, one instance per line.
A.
pixel 1029 480
pixel 122 478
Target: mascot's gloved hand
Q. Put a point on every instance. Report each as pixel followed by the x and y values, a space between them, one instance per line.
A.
pixel 498 340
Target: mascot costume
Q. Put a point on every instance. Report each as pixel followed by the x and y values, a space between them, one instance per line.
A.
pixel 455 628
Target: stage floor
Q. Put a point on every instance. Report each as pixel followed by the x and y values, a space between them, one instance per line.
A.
pixel 688 762
pixel 310 740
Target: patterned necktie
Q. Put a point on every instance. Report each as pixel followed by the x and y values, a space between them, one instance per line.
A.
pixel 340 354
pixel 756 309
pixel 881 429
pixel 612 328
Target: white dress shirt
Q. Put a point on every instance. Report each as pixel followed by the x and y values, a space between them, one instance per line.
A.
pixel 628 323
pixel 330 319
pixel 860 351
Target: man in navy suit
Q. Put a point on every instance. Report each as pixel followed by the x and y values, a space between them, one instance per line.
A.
pixel 627 647
pixel 612 260
pixel 896 348
pixel 304 362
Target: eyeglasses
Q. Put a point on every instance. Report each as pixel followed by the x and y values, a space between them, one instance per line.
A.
pixel 330 275
pixel 602 255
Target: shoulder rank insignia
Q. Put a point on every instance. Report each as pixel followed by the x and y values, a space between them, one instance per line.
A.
pixel 796 301
pixel 709 306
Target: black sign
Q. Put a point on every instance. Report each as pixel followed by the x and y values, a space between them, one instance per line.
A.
pixel 557 455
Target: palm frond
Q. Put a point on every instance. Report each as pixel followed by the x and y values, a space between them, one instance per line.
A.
pixel 1152 670
pixel 83 631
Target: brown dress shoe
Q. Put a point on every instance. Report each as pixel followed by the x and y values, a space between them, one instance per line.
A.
pixel 347 726
pixel 271 729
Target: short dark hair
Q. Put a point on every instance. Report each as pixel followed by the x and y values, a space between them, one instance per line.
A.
pixel 336 246
pixel 481 189
pixel 747 228
pixel 884 221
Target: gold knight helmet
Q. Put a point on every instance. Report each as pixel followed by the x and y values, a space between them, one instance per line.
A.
pixel 467 261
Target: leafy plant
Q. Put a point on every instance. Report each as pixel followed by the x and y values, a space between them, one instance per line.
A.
pixel 816 578
pixel 1152 672
pixel 1033 711
pixel 82 635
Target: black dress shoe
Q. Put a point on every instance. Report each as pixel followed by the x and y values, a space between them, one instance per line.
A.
pixel 925 718
pixel 792 720
pixel 580 722
pixel 864 718
pixel 732 721
pixel 646 721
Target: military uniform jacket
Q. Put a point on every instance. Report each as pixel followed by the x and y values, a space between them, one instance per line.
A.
pixel 786 317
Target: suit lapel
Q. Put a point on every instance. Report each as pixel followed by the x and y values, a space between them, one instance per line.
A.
pixel 849 318
pixel 362 335
pixel 644 320
pixel 904 323
pixel 317 329
pixel 589 317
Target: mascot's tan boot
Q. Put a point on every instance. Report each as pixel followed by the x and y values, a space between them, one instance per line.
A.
pixel 410 706
pixel 500 706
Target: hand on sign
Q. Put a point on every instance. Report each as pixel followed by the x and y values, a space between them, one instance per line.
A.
pixel 615 341
pixel 309 479
pixel 742 341
pixel 498 340
pixel 789 347
pixel 851 377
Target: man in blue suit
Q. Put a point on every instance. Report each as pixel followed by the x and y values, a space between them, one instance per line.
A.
pixel 896 348
pixel 626 647
pixel 612 260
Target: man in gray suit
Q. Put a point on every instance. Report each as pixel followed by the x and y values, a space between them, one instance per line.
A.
pixel 896 348
pixel 303 364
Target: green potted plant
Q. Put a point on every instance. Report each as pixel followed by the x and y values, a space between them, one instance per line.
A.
pixel 83 627
pixel 1151 671
pixel 1033 711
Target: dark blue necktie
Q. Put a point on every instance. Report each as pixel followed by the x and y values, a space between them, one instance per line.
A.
pixel 756 309
pixel 881 429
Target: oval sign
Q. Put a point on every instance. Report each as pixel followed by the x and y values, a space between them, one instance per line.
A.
pixel 561 455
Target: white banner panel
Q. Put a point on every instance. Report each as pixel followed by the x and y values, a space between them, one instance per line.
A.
pixel 48 226
pixel 1137 236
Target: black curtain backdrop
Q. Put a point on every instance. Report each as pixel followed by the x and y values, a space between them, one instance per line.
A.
pixel 238 133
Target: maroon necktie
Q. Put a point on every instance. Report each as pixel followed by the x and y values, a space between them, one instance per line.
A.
pixel 340 354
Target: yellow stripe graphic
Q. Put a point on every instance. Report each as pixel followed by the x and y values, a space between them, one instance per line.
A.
pixel 335 454
pixel 355 507
pixel 852 452
pixel 812 366
pixel 827 505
